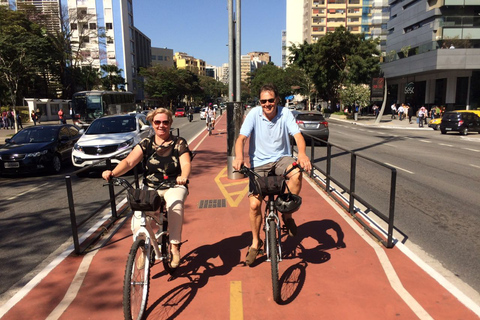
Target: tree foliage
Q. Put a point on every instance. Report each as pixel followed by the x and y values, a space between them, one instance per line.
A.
pixel 337 59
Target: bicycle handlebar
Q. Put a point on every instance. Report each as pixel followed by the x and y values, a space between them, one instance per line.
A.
pixel 246 170
pixel 123 182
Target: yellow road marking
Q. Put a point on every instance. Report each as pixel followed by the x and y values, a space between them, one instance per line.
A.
pixel 236 302
pixel 230 195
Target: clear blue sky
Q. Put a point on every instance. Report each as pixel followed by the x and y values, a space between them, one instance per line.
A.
pixel 200 27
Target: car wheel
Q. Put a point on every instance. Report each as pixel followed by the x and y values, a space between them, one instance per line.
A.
pixel 56 164
pixel 464 131
pixel 437 127
pixel 443 131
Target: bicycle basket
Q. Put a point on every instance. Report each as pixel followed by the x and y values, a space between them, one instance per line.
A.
pixel 144 200
pixel 270 185
pixel 288 203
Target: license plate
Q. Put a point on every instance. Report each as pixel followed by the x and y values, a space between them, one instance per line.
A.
pixel 448 129
pixel 310 126
pixel 9 165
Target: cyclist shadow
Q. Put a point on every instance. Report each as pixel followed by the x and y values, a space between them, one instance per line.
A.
pixel 198 266
pixel 326 235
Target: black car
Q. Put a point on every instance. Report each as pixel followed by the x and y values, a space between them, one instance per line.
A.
pixel 38 148
pixel 463 122
pixel 312 123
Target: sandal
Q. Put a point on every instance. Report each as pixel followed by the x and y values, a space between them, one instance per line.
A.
pixel 253 253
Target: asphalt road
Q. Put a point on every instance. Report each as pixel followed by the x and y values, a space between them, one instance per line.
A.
pixel 438 178
pixel 35 219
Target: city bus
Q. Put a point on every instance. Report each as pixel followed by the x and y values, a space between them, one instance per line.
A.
pixel 90 105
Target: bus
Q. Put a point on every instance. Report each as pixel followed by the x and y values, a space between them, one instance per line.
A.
pixel 90 105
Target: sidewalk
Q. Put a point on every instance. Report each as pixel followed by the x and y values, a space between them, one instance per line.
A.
pixel 332 269
pixel 386 121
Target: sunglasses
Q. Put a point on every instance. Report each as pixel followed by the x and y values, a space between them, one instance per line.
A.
pixel 164 122
pixel 267 100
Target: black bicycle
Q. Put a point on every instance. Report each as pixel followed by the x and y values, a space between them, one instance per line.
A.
pixel 151 242
pixel 277 200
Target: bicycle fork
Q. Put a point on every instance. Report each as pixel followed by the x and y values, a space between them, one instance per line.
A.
pixel 269 217
pixel 146 232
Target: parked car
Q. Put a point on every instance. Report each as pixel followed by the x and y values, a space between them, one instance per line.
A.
pixel 110 137
pixel 312 123
pixel 38 148
pixel 203 114
pixel 180 112
pixel 463 122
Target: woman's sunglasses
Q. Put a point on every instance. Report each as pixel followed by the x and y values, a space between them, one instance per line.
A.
pixel 265 101
pixel 164 122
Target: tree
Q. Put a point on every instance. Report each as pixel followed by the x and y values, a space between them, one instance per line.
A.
pixel 112 78
pixel 355 93
pixel 24 52
pixel 337 59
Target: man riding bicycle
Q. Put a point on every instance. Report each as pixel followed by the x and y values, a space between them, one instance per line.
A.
pixel 269 128
pixel 210 115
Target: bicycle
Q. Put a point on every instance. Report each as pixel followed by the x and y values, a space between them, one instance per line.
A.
pixel 274 190
pixel 153 233
pixel 209 126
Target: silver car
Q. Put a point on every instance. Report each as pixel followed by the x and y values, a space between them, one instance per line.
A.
pixel 312 123
pixel 110 137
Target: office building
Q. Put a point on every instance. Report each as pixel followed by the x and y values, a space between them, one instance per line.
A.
pixel 162 56
pixel 433 53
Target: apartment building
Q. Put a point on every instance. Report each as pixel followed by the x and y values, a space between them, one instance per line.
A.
pixel 433 53
pixel 48 11
pixel 185 61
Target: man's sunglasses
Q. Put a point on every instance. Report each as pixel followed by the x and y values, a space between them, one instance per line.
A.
pixel 164 122
pixel 267 100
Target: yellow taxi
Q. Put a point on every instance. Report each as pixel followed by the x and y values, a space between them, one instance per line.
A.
pixel 435 123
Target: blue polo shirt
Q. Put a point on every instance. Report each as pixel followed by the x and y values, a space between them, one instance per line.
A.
pixel 269 140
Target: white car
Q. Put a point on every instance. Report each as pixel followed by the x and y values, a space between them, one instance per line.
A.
pixel 203 114
pixel 110 137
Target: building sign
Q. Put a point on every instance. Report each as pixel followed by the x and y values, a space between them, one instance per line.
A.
pixel 409 88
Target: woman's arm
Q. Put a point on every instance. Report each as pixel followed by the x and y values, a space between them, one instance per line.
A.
pixel 186 165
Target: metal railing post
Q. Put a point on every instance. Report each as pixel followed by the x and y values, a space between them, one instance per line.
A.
pixel 329 167
pixel 353 172
pixel 391 209
pixel 71 206
pixel 111 190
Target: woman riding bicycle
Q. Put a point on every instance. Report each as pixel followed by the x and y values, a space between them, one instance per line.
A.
pixel 210 115
pixel 269 127
pixel 167 157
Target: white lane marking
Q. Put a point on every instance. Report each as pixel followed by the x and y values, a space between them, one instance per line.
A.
pixel 27 191
pixel 426 141
pixel 474 150
pixel 387 266
pixel 446 145
pixel 400 168
pixel 475 166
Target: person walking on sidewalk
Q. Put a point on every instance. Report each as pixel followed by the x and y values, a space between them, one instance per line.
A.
pixel 166 156
pixel 409 113
pixel 269 127
pixel 210 115
pixel 394 111
pixel 19 121
pixel 401 112
pixel 34 118
pixel 422 114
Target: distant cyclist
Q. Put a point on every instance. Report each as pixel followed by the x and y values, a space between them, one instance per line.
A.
pixel 210 115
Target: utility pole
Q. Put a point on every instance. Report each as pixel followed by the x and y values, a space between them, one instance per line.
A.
pixel 234 106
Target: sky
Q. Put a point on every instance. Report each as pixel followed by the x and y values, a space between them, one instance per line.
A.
pixel 200 27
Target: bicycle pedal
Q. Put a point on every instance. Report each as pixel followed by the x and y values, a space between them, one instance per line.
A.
pixel 260 252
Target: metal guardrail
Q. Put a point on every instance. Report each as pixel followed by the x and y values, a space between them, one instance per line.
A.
pixel 352 194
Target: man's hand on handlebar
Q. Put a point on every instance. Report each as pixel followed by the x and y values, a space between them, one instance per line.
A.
pixel 237 164
pixel 304 163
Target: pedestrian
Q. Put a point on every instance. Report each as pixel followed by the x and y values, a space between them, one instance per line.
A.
pixel 270 156
pixel 5 120
pixel 409 113
pixel 38 114
pixel 19 121
pixel 11 119
pixel 375 110
pixel 61 117
pixel 394 110
pixel 422 113
pixel 34 117
pixel 401 112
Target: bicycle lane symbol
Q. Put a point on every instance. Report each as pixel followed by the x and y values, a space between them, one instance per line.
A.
pixel 233 190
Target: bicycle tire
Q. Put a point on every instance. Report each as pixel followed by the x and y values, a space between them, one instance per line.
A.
pixel 274 258
pixel 137 281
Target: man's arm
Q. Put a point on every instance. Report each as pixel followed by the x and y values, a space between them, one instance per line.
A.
pixel 303 160
pixel 239 146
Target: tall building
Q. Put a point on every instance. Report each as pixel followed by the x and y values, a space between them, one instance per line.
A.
pixel 294 23
pixel 47 12
pixel 162 56
pixel 433 53
pixel 224 73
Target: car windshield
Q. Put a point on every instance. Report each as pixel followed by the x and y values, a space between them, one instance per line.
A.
pixel 310 117
pixel 452 116
pixel 112 125
pixel 35 135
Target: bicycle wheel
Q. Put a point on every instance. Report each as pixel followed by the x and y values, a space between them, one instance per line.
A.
pixel 209 128
pixel 166 254
pixel 136 282
pixel 274 258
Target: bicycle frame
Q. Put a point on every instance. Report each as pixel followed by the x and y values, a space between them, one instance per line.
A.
pixel 146 232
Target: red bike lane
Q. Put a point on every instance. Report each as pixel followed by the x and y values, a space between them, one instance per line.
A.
pixel 332 269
